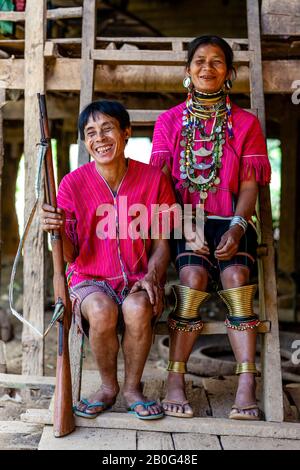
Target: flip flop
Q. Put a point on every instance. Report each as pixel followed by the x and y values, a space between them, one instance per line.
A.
pixel 178 414
pixel 242 416
pixel 89 405
pixel 146 405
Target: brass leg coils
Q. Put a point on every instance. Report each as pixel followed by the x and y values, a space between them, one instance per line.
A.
pixel 185 316
pixel 239 301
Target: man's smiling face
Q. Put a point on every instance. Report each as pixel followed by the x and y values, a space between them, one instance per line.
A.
pixel 104 139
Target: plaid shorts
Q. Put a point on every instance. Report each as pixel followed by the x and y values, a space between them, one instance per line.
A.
pixel 213 231
pixel 80 291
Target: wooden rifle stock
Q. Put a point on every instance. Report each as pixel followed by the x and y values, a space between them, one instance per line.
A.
pixel 64 422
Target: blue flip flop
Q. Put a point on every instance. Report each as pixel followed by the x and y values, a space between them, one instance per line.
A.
pixel 146 405
pixel 89 405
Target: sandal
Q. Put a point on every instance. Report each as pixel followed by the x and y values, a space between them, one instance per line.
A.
pixel 178 414
pixel 146 405
pixel 244 416
pixel 89 405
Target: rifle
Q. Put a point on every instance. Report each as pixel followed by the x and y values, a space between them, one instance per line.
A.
pixel 63 414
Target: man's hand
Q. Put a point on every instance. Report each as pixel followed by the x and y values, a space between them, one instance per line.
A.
pixel 155 292
pixel 229 243
pixel 51 218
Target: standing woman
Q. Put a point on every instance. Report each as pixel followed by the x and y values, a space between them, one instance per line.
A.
pixel 215 154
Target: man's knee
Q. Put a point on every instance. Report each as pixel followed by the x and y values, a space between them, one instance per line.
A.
pixel 195 277
pixel 102 315
pixel 137 310
pixel 235 276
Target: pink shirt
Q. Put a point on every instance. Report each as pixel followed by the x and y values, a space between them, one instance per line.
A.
pixel 242 154
pixel 119 259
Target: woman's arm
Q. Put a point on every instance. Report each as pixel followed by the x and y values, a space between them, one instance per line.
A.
pixel 229 242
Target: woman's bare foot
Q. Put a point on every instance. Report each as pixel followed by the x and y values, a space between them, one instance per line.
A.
pixel 245 396
pixel 175 400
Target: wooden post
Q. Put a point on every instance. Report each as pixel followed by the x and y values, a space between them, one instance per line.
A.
pixel 87 66
pixel 2 100
pixel 33 310
pixel 270 357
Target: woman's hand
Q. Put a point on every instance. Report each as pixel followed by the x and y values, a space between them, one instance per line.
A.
pixel 229 243
pixel 195 239
pixel 51 218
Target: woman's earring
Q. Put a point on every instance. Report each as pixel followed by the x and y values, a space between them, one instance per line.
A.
pixel 228 84
pixel 187 81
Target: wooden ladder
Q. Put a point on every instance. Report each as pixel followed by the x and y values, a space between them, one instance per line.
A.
pixel 174 54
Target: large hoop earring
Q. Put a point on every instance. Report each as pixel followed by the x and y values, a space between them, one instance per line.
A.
pixel 228 84
pixel 187 81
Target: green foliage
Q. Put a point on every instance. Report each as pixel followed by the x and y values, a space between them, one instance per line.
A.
pixel 274 152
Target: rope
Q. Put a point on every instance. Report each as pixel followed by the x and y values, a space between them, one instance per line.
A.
pixel 38 184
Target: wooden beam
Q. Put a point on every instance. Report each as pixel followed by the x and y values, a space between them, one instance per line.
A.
pixel 33 297
pixel 54 14
pixel 143 57
pixel 25 381
pixel 64 13
pixel 280 18
pixel 148 117
pixel 64 75
pixel 15 427
pixel 146 40
pixel 217 426
pixel 13 16
pixel 2 102
pixel 87 66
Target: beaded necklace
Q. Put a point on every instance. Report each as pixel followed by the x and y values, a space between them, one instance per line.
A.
pixel 199 108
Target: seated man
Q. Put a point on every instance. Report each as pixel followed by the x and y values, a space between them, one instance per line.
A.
pixel 116 270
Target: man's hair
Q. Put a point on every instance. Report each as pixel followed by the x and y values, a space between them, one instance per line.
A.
pixel 110 108
pixel 214 40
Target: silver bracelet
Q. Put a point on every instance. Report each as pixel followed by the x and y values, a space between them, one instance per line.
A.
pixel 239 220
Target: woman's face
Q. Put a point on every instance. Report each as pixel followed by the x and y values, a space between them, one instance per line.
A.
pixel 208 69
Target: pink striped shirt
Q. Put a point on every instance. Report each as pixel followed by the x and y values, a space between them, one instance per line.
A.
pixel 119 260
pixel 242 154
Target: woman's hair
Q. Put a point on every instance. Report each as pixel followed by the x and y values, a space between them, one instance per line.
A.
pixel 215 40
pixel 110 108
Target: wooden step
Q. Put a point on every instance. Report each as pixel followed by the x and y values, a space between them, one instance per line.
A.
pixel 218 426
